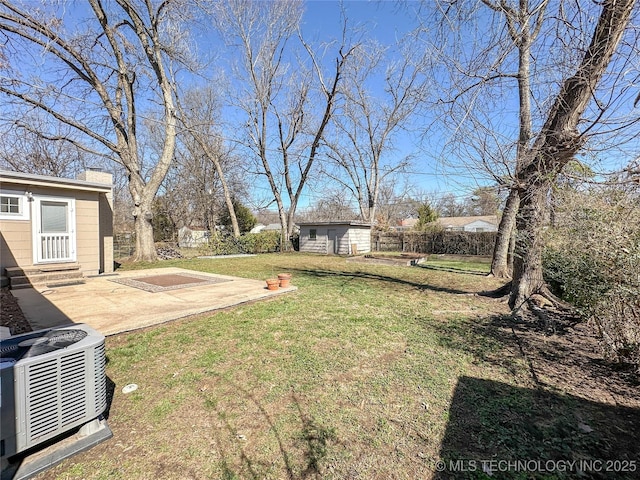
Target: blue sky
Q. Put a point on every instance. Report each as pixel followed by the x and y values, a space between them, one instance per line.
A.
pixel 386 21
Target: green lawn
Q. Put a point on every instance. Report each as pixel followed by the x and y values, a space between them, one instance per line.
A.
pixel 367 371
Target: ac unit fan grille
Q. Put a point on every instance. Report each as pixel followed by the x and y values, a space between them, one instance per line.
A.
pixel 73 400
pixel 56 394
pixel 42 397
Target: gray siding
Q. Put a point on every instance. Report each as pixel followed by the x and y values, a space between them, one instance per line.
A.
pixel 345 235
pixel 361 236
pixel 319 245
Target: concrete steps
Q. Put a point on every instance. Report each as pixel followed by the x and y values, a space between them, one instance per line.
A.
pixel 50 275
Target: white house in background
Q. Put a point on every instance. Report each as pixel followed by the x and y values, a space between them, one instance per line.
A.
pixel 341 237
pixel 261 226
pixel 258 228
pixel 271 227
pixel 481 223
pixel 192 236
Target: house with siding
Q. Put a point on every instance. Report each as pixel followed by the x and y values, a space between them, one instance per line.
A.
pixel 53 229
pixel 192 236
pixel 475 223
pixel 478 223
pixel 340 237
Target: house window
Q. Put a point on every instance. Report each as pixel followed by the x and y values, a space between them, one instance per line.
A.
pixel 13 206
pixel 313 234
pixel 479 230
pixel 10 205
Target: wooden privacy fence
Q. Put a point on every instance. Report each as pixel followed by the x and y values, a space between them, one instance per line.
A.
pixel 449 243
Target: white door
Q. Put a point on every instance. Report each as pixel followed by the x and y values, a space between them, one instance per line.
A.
pixel 54 230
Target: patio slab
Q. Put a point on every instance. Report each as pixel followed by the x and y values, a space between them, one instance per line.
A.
pixel 111 307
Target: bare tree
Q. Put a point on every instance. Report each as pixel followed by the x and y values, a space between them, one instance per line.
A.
pixel 198 115
pixel 558 141
pixel 332 206
pixel 477 79
pixel 394 205
pixel 193 183
pixel 385 87
pixel 449 206
pixel 101 79
pixel 28 150
pixel 482 201
pixel 287 105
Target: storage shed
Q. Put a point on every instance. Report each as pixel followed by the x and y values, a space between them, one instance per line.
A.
pixel 343 238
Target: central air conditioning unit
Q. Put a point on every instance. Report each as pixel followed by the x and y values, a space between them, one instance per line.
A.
pixel 53 381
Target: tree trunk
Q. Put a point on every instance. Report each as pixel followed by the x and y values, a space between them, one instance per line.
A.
pixel 500 267
pixel 143 219
pixel 232 213
pixel 527 258
pixel 556 144
pixel 512 247
pixel 145 246
pixel 290 226
pixel 228 200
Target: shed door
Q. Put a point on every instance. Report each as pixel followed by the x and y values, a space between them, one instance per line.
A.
pixel 332 241
pixel 54 230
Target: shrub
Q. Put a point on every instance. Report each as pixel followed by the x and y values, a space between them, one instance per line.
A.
pixel 261 242
pixel 593 261
pixel 222 243
pixel 226 244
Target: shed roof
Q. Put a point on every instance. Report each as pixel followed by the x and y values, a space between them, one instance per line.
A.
pixel 352 223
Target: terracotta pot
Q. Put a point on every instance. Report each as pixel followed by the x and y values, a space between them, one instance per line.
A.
pixel 284 279
pixel 272 284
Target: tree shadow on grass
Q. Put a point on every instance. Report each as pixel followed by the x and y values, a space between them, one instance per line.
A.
pixel 440 268
pixel 380 278
pixel 509 432
pixel 312 438
pixel 568 359
pixel 579 406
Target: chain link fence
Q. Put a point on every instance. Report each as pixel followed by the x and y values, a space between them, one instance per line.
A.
pixel 124 245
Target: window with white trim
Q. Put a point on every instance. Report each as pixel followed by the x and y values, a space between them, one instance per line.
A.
pixel 13 206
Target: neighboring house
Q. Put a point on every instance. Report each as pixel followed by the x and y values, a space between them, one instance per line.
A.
pixel 258 228
pixel 482 223
pixel 56 224
pixel 342 238
pixel 406 224
pixel 192 236
pixel 275 227
pixel 271 227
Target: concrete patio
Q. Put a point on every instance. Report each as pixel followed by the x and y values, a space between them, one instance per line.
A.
pixel 112 307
